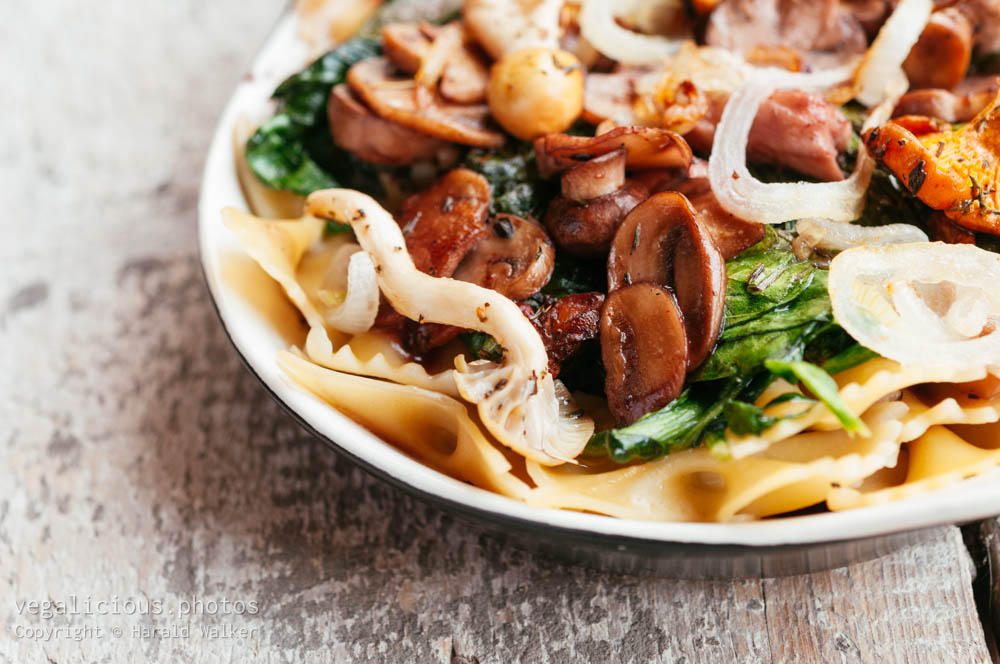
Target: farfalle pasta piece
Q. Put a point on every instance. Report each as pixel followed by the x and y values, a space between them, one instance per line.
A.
pixel 518 400
pixel 692 485
pixel 937 459
pixel 949 411
pixel 432 427
pixel 860 388
pixel 295 253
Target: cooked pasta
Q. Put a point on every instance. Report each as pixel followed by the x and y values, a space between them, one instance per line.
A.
pixel 648 350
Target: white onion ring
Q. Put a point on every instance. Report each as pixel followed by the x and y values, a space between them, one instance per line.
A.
pixel 747 197
pixel 883 63
pixel 818 233
pixel 883 297
pixel 518 400
pixel 352 270
pixel 599 28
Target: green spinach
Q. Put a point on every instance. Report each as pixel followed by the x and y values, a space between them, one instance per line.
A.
pixel 294 150
pixel 513 179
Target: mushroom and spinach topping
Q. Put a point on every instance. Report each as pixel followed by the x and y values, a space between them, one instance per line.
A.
pixel 560 188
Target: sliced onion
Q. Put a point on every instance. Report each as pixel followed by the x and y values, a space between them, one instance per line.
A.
pixel 517 399
pixel 598 26
pixel 921 303
pixel 595 178
pixel 747 197
pixel 353 271
pixel 836 236
pixel 883 62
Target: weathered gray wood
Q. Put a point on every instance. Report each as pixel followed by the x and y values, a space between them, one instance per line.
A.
pixel 141 461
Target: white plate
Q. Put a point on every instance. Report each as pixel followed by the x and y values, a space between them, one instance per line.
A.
pixel 258 342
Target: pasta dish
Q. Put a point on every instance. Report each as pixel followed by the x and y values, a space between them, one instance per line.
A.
pixel 677 260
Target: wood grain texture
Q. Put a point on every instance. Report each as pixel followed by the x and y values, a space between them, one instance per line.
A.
pixel 141 461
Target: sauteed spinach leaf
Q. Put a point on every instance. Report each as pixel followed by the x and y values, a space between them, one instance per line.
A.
pixel 513 179
pixel 294 150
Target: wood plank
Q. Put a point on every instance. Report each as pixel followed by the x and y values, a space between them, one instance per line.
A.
pixel 140 460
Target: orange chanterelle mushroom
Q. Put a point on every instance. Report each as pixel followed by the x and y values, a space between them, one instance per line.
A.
pixel 955 171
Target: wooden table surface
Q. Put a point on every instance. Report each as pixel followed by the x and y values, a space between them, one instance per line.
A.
pixel 156 505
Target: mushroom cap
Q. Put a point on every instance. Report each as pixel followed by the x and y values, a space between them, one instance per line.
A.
pixel 514 258
pixel 662 242
pixel 403 101
pixel 644 349
pixel 586 228
pixel 731 234
pixel 645 147
pixel 595 177
pixel 359 131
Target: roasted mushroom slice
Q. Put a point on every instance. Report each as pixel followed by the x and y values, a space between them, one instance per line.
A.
pixel 662 242
pixel 585 228
pixel 515 258
pixel 464 76
pixel 941 56
pixel 957 172
pixel 406 44
pixel 595 177
pixel 645 147
pixel 732 235
pixel 444 223
pixel 359 131
pixel 644 349
pixel 404 101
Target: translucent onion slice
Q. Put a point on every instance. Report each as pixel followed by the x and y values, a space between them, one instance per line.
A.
pixel 883 62
pixel 817 233
pixel 598 26
pixel 745 196
pixel 921 303
pixel 352 275
pixel 518 400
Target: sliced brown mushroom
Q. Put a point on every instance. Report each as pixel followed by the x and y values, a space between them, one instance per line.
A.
pixel 444 223
pixel 586 228
pixel 645 147
pixel 403 101
pixel 661 179
pixel 662 242
pixel 465 75
pixel 644 349
pixel 359 131
pixel 596 177
pixel 406 44
pixel 941 56
pixel 731 234
pixel 515 258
